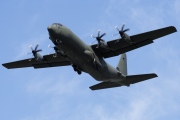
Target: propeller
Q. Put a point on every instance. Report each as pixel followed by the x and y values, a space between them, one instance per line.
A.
pixel 55 48
pixel 98 37
pixel 122 31
pixel 35 50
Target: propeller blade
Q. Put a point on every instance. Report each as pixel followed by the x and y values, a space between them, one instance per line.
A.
pixel 93 36
pixel 31 47
pixel 126 30
pixel 117 28
pixel 122 27
pixel 49 46
pixel 38 50
pixel 98 37
pixel 99 32
pixel 36 47
pixel 102 35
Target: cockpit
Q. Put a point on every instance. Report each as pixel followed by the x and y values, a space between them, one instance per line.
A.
pixel 54 27
pixel 57 24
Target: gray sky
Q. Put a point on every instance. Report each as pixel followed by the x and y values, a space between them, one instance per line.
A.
pixel 60 93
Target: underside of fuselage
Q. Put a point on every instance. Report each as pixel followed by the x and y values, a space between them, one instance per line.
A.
pixel 81 56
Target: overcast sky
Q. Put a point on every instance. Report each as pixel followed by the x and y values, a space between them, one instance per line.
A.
pixel 60 93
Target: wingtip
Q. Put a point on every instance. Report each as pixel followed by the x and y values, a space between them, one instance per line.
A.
pixel 91 88
pixel 4 65
pixel 155 75
pixel 174 28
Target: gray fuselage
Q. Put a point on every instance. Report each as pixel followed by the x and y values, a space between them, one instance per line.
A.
pixel 82 55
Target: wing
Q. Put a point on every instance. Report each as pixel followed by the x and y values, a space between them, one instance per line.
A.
pixel 49 61
pixel 139 40
pixel 132 79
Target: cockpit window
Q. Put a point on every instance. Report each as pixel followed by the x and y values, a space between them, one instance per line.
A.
pixel 57 24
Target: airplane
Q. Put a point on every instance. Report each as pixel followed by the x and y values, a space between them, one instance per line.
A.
pixel 70 50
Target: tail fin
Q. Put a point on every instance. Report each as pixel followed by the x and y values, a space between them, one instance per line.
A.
pixel 122 65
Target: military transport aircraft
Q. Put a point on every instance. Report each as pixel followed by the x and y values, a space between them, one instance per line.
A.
pixel 71 50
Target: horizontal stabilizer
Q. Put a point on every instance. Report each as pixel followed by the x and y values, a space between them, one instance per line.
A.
pixel 132 79
pixel 129 80
pixel 104 85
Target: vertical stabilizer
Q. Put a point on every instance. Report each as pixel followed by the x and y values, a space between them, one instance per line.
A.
pixel 122 65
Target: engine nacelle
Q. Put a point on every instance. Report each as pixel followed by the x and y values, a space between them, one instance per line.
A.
pixel 127 38
pixel 103 44
pixel 38 57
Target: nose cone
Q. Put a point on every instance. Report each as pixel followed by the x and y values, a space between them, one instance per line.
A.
pixel 49 28
pixel 54 30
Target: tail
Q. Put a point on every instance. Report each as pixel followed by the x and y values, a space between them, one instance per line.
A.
pixel 122 65
pixel 129 79
pixel 132 79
